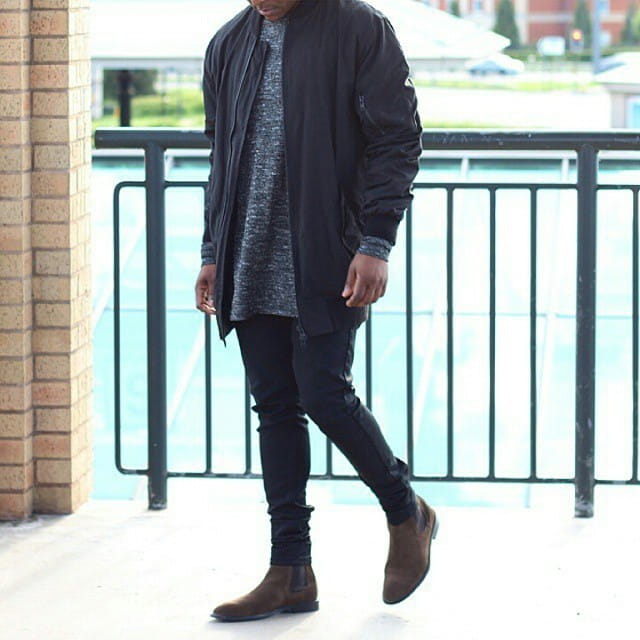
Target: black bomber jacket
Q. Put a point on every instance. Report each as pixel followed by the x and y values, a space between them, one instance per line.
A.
pixel 352 144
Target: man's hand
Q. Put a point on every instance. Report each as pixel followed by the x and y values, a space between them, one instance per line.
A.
pixel 366 280
pixel 205 286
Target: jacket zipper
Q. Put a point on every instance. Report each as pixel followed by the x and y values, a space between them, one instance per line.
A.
pixel 344 215
pixel 294 251
pixel 225 213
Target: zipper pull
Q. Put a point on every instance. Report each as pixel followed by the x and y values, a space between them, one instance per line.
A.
pixel 302 336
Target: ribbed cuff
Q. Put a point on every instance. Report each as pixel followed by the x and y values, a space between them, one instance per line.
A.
pixel 207 254
pixel 375 247
pixel 383 225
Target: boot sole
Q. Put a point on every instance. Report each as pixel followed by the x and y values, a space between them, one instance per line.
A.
pixel 301 607
pixel 434 534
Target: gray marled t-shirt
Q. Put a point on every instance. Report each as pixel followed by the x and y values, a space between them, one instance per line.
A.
pixel 263 263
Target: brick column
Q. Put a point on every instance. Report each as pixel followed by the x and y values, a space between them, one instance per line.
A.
pixel 16 364
pixel 56 307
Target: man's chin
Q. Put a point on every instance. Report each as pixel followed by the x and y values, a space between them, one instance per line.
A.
pixel 271 14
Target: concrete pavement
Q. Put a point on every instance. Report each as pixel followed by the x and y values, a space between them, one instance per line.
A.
pixel 115 571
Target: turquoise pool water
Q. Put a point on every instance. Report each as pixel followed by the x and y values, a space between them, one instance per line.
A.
pixel 556 355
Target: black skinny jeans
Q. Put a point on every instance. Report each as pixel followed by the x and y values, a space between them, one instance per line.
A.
pixel 291 375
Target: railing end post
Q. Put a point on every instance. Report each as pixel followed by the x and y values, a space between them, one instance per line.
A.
pixel 585 373
pixel 157 501
pixel 584 507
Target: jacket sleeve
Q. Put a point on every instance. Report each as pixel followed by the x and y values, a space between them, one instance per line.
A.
pixel 209 94
pixel 387 110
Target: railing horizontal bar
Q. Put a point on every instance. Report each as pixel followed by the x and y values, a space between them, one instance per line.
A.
pixel 520 186
pixel 212 474
pixel 140 137
pixel 414 477
pixel 129 183
pixel 461 314
pixel 617 187
pixel 185 183
pixel 542 186
pixel 539 140
pixel 330 476
pixel 133 472
pixel 418 477
pixel 549 186
pixel 493 479
pixel 434 139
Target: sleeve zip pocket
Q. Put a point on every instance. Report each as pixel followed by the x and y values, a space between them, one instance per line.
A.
pixel 366 116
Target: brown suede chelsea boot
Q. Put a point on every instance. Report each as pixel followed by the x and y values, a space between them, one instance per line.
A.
pixel 409 553
pixel 283 590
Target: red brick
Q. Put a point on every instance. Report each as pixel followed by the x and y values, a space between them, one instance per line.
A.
pixel 51 394
pixel 16 506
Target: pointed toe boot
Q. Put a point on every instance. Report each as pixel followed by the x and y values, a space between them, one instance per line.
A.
pixel 409 553
pixel 283 590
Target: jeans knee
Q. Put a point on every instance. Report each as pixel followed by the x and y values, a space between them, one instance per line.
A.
pixel 325 409
pixel 273 414
pixel 314 410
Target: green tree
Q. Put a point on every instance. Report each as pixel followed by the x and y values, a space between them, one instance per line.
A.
pixel 635 28
pixel 582 21
pixel 629 35
pixel 506 23
pixel 454 8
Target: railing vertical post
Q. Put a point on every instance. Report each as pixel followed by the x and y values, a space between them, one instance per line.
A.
pixel 586 331
pixel 409 338
pixel 450 336
pixel 156 326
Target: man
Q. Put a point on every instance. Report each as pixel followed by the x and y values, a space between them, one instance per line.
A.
pixel 315 141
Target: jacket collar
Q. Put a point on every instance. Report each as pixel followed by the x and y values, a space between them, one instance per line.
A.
pixel 301 9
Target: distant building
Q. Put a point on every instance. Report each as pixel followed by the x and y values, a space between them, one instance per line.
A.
pixel 538 18
pixel 623 85
pixel 121 37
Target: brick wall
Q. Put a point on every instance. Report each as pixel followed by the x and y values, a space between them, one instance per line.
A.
pixel 45 302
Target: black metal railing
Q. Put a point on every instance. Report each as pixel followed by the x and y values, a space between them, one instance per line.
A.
pixel 586 146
